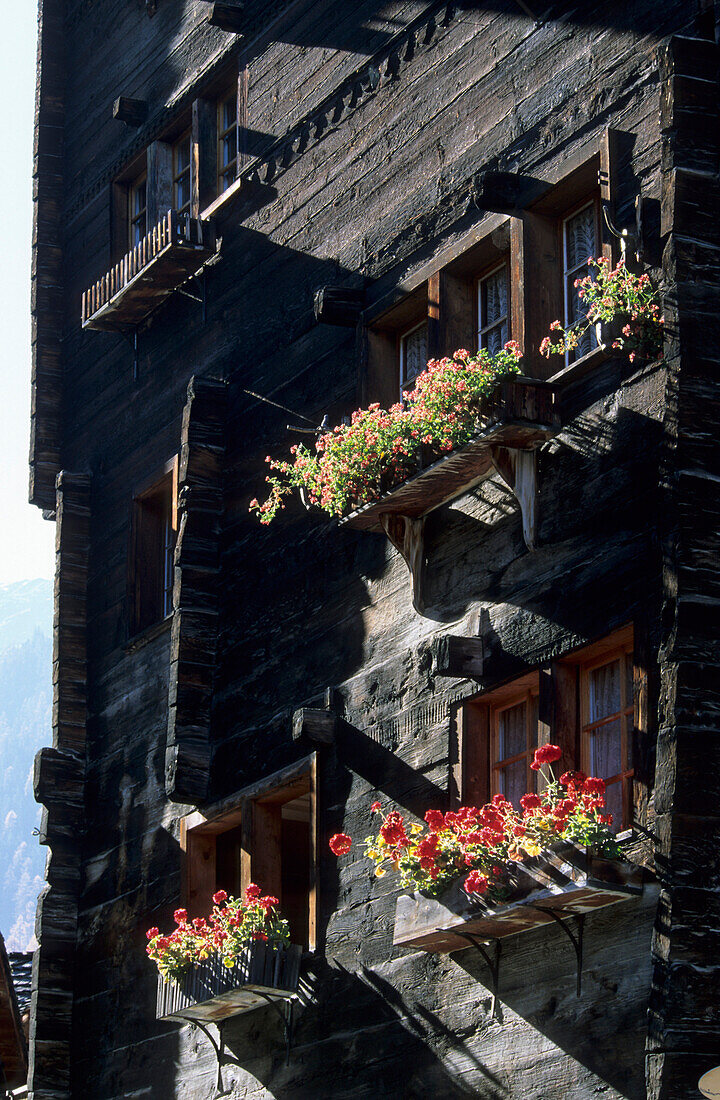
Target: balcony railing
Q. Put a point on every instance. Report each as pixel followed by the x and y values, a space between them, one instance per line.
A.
pixel 174 250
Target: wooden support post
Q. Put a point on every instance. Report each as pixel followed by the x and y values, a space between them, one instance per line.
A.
pixel 228 17
pixel 204 155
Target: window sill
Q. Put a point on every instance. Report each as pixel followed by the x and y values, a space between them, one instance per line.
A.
pixel 582 366
pixel 149 634
pixel 218 205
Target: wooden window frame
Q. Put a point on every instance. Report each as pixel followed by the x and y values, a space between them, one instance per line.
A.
pixel 496 764
pixel 504 263
pixel 254 811
pixel 592 199
pixel 148 590
pixel 404 383
pixel 178 175
pixel 224 180
pixel 132 217
pixel 477 736
pixel 624 654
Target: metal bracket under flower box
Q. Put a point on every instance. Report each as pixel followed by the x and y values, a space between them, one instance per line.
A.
pixel 519 415
pixel 213 993
pixel 565 881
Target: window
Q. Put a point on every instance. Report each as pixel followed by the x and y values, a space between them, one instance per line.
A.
pixel 182 179
pixel 227 151
pixel 413 355
pixel 267 835
pixel 514 738
pixel 607 723
pixel 154 535
pixel 493 309
pixel 498 735
pixel 583 701
pixel 137 210
pixel 580 241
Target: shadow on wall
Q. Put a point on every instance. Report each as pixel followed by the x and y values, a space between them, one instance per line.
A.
pixel 421 1025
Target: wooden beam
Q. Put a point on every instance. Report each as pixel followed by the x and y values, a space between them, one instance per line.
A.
pixel 315 725
pixel 456 656
pixel 228 17
pixel 339 305
pixel 131 111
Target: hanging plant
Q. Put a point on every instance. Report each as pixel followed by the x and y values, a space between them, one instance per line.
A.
pixel 622 307
pixel 484 845
pixel 358 462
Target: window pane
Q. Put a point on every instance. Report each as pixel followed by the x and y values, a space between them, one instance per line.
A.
pixel 580 238
pixel 512 781
pixel 614 805
pixel 229 113
pixel 182 193
pixel 494 339
pixel 182 155
pixel 494 297
pixel 605 750
pixel 512 731
pixel 604 691
pixel 229 149
pixel 414 353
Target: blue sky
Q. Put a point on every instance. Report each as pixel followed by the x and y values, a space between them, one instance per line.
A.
pixel 26 540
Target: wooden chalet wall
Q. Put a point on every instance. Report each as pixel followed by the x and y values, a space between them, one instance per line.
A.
pixel 371 129
pixel 684 1032
pixel 47 256
pixel 59 783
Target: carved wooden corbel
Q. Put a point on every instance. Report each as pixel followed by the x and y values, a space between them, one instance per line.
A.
pixel 408 537
pixel 518 469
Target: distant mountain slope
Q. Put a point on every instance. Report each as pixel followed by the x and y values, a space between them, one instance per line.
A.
pixel 25 725
pixel 25 607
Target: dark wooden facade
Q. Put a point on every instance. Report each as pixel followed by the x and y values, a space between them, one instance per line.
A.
pixel 391 150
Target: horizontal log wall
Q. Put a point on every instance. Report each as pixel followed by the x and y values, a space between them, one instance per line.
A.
pixel 684 1033
pixel 372 197
pixel 59 784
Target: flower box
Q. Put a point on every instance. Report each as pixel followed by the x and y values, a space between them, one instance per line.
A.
pixel 212 991
pixel 565 879
pixel 519 414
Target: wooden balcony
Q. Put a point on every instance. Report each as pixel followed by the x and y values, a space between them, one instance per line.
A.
pixel 162 261
pixel 520 414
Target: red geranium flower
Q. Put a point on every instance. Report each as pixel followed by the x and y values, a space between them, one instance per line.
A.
pixel 475 883
pixel 220 896
pixel 393 830
pixel 594 786
pixel 340 843
pixel 545 754
pixel 253 892
pixel 530 801
pixel 151 932
pixel 435 820
pixel 375 807
pixel 180 916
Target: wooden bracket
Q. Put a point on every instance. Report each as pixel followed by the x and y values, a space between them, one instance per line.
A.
pixel 408 537
pixel 518 469
pixel 456 656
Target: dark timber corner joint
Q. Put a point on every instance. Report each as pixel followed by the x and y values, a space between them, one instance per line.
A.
pixel 227 17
